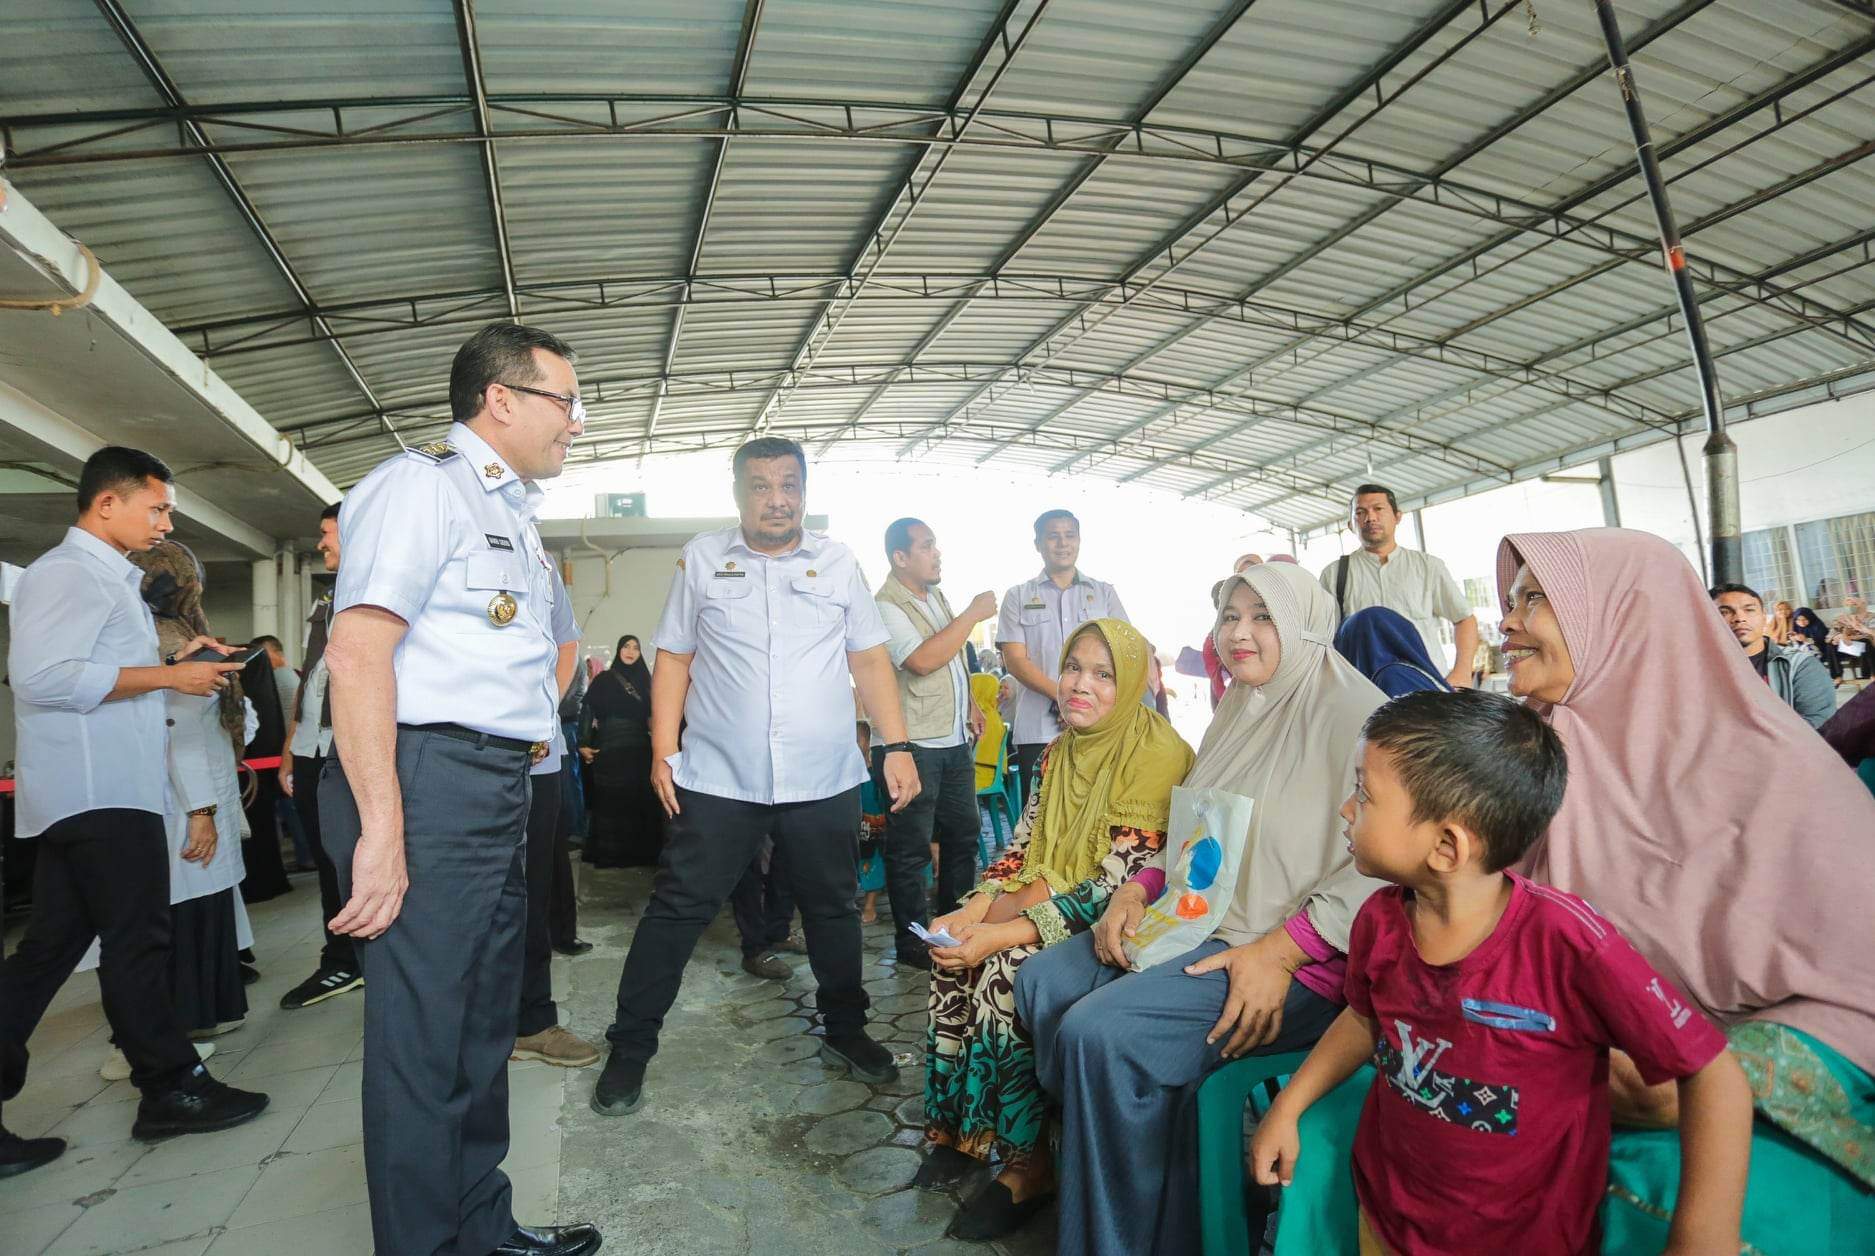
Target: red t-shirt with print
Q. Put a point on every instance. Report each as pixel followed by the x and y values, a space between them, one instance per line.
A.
pixel 1487 1128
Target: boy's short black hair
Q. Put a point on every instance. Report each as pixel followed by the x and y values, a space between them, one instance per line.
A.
pixel 767 447
pixel 1719 590
pixel 1049 516
pixel 330 512
pixel 1481 759
pixel 116 469
pixel 898 535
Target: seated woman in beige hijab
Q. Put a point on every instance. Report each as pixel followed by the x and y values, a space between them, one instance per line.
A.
pixel 1124 1052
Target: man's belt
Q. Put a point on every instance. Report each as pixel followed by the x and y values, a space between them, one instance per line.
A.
pixel 533 749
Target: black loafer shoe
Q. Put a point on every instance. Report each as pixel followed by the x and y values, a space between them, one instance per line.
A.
pixel 194 1104
pixel 943 1168
pixel 551 1240
pixel 993 1213
pixel 865 1059
pixel 621 1087
pixel 578 946
pixel 23 1155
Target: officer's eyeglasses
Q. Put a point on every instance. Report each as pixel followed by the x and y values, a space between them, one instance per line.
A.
pixel 575 408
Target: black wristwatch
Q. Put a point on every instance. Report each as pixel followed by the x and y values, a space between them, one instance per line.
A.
pixel 897 747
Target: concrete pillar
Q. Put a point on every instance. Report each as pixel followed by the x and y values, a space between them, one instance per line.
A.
pixel 1419 530
pixel 1611 505
pixel 266 594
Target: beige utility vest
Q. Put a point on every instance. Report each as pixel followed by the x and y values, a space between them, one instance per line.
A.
pixel 929 702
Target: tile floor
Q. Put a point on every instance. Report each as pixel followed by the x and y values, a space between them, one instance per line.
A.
pixel 745 1144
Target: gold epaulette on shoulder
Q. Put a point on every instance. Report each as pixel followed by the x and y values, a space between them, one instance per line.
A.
pixel 435 451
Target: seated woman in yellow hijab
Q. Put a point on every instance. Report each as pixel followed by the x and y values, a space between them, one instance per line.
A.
pixel 1097 817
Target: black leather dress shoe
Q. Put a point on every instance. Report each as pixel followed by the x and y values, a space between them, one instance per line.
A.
pixel 550 1240
pixel 194 1104
pixel 578 946
pixel 21 1155
pixel 620 1088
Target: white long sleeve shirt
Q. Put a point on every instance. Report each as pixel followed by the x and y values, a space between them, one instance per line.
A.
pixel 79 618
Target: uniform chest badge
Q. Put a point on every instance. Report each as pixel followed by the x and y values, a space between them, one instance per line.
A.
pixel 811 573
pixel 729 566
pixel 492 470
pixel 502 608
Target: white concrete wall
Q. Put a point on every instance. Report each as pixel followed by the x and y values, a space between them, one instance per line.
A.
pixel 640 580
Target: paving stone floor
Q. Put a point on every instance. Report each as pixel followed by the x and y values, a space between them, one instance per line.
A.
pixel 745 1146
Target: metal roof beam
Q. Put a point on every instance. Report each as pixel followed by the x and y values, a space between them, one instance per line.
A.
pixel 1861 242
pixel 159 79
pixel 1771 98
pixel 1167 248
pixel 1768 99
pixel 1649 415
pixel 738 81
pixel 491 168
pixel 1167 84
pixel 878 240
pixel 613 390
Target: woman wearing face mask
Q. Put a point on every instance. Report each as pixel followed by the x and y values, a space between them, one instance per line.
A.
pixel 1098 815
pixel 627 823
pixel 1124 1052
pixel 1732 854
pixel 209 924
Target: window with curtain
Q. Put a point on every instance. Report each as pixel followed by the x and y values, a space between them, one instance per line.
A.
pixel 1838 558
pixel 1768 566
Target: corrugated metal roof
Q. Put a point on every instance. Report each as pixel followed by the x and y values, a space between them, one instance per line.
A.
pixel 1245 249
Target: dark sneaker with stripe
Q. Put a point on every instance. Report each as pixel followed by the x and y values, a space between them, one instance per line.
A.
pixel 322 985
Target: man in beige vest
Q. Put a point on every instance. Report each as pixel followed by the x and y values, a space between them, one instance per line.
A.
pixel 927 649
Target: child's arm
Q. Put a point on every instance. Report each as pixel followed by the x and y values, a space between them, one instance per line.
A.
pixel 1715 1150
pixel 1346 1046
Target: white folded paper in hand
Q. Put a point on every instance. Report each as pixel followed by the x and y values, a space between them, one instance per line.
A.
pixel 941 938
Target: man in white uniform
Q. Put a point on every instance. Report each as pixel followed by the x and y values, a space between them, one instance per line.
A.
pixel 767 630
pixel 441 665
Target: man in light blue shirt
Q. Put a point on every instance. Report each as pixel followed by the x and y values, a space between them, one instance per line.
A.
pixel 441 667
pixel 766 632
pixel 92 738
pixel 1038 617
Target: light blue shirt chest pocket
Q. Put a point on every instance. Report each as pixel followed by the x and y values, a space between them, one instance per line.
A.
pixel 486 576
pixel 726 603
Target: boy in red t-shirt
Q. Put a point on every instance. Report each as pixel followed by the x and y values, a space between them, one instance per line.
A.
pixel 1488 1005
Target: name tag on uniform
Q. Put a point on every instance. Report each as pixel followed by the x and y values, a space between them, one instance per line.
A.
pixel 498 542
pixel 730 575
pixel 1035 606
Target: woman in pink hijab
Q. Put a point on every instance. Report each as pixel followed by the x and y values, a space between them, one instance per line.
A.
pixel 1712 826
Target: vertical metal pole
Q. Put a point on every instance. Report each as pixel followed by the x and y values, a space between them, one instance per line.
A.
pixel 1720 453
pixel 1611 505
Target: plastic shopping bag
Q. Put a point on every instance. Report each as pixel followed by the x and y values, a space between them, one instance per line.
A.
pixel 1209 829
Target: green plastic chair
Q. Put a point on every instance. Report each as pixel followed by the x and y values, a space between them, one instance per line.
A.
pixel 1223 1218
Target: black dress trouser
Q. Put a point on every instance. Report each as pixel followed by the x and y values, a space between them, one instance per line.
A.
pixel 945 812
pixel 441 987
pixel 102 874
pixel 337 951
pixel 708 849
